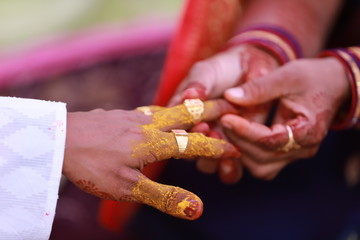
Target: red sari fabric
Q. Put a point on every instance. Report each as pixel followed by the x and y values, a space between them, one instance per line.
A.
pixel 204 28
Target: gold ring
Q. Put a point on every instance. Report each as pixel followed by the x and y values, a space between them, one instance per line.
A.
pixel 291 144
pixel 146 110
pixel 195 107
pixel 181 137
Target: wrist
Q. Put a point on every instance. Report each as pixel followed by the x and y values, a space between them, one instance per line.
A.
pixel 349 113
pixel 272 39
pixel 68 143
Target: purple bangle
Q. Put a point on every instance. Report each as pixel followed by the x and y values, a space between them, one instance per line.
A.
pixel 356 59
pixel 352 66
pixel 275 40
pixel 270 46
pixel 285 35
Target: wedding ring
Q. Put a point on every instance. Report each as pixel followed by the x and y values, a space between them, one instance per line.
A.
pixel 195 107
pixel 181 137
pixel 146 110
pixel 291 144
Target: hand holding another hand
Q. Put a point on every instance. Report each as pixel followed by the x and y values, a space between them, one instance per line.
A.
pixel 309 94
pixel 210 78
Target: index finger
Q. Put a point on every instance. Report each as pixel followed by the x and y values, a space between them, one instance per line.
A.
pixel 180 117
pixel 269 138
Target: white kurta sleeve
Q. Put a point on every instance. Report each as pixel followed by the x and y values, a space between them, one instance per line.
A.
pixel 32 142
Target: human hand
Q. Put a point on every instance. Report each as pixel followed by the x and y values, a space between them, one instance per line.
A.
pixel 309 92
pixel 106 151
pixel 210 78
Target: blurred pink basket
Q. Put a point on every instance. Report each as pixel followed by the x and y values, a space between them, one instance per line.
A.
pixel 81 50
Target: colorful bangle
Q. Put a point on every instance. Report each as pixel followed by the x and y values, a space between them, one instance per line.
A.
pixel 273 39
pixel 350 59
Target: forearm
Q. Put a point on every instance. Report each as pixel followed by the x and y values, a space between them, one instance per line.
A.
pixel 308 21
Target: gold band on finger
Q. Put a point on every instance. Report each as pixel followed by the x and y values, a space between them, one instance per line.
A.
pixel 181 137
pixel 195 107
pixel 291 144
pixel 146 110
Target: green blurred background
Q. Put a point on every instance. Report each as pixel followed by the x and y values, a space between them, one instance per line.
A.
pixel 23 21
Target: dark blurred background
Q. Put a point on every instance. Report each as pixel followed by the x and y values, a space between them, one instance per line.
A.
pixel 317 198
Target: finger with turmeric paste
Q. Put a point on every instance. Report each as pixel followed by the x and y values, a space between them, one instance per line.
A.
pixel 160 145
pixel 179 116
pixel 120 143
pixel 172 200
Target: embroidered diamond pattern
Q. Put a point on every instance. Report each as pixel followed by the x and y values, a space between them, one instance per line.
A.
pixel 29 184
pixel 29 144
pixel 23 143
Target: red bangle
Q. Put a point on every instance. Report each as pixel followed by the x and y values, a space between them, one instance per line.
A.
pixel 273 39
pixel 351 63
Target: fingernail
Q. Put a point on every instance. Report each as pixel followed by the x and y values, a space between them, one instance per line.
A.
pixel 191 93
pixel 235 92
pixel 194 210
pixel 190 207
pixel 226 167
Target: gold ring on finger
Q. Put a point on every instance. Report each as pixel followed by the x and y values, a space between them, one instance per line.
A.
pixel 181 137
pixel 195 107
pixel 291 144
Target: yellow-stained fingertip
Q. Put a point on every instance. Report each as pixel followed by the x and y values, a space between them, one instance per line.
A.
pixel 172 200
pixel 187 206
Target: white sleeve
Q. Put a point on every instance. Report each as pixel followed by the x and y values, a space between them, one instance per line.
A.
pixel 32 142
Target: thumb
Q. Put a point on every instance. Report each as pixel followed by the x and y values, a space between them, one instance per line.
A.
pixel 211 77
pixel 258 91
pixel 172 200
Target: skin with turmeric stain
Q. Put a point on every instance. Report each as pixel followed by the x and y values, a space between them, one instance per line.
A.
pixel 171 200
pixel 161 145
pixel 175 115
pixel 165 146
pixel 120 143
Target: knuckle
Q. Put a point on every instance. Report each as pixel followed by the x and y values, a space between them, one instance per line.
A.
pixel 122 186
